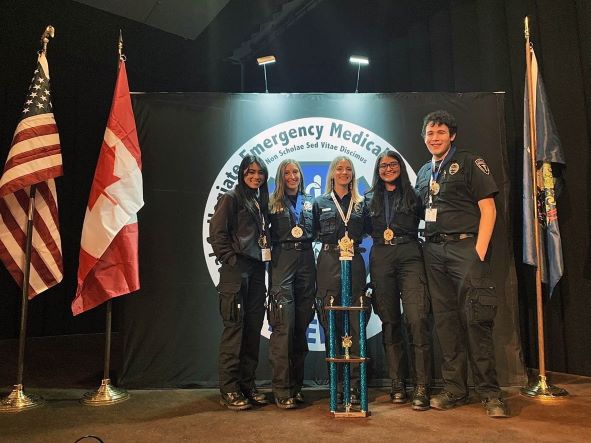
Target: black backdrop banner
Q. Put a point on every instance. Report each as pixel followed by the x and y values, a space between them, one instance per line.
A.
pixel 191 147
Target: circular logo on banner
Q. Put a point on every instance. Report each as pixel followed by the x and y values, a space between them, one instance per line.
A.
pixel 314 142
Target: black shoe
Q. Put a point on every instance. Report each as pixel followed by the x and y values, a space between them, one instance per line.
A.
pixel 235 401
pixel 354 397
pixel 398 392
pixel 496 408
pixel 286 402
pixel 299 397
pixel 447 400
pixel 255 396
pixel 420 398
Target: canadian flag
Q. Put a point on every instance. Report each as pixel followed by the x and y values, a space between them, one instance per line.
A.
pixel 108 265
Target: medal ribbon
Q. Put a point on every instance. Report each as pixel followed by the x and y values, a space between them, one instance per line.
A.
pixel 436 174
pixel 337 204
pixel 389 216
pixel 296 210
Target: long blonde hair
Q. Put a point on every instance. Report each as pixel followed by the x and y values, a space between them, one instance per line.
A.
pixel 277 197
pixel 357 198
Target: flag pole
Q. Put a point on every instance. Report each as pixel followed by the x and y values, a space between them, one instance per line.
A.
pixel 107 394
pixel 17 400
pixel 541 389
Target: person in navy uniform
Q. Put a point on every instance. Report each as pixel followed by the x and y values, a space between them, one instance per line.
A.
pixel 240 240
pixel 339 211
pixel 290 308
pixel 398 274
pixel 457 190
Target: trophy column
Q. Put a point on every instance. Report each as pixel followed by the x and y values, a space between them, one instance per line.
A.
pixel 339 355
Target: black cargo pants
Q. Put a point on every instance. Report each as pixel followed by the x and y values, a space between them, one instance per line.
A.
pixel 242 295
pixel 398 274
pixel 464 304
pixel 289 312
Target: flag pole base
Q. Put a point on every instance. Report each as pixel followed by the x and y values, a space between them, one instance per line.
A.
pixel 105 395
pixel 18 401
pixel 544 391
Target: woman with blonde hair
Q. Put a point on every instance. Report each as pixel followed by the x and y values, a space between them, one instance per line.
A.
pixel 290 307
pixel 340 215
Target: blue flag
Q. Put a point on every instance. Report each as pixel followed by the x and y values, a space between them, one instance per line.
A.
pixel 549 150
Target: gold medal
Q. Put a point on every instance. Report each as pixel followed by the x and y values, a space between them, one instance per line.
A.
pixel 388 234
pixel 434 188
pixel 262 242
pixel 297 231
pixel 346 247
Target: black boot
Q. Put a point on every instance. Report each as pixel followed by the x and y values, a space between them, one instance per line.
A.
pixel 420 398
pixel 398 392
pixel 255 396
pixel 235 401
pixel 285 402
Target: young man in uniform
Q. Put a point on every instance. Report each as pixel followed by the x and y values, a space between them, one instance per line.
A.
pixel 457 189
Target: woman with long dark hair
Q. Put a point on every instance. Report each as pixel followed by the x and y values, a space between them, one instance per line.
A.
pixel 293 282
pixel 240 239
pixel 340 214
pixel 398 274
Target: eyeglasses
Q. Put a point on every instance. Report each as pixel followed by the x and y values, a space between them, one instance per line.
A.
pixel 392 165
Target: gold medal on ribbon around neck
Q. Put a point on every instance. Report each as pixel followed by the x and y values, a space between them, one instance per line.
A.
pixel 297 231
pixel 262 242
pixel 346 247
pixel 434 188
pixel 388 234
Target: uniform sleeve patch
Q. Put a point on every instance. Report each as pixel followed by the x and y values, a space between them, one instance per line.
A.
pixel 482 165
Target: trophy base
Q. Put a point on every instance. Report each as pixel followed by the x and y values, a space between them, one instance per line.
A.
pixel 350 414
pixel 105 395
pixel 18 401
pixel 544 391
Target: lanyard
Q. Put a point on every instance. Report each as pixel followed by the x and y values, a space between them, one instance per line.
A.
pixel 296 210
pixel 262 217
pixel 389 216
pixel 436 174
pixel 446 159
pixel 337 204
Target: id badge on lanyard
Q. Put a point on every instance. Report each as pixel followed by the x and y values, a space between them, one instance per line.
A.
pixel 263 244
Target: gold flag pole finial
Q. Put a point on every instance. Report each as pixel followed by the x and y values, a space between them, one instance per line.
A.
pixel 120 44
pixel 526 29
pixel 49 32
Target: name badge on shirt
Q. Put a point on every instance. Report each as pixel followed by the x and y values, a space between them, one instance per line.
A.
pixel 431 214
pixel 266 254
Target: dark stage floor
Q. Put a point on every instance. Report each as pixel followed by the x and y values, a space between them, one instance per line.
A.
pixel 195 414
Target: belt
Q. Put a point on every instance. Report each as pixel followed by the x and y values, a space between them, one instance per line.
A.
pixel 398 240
pixel 298 246
pixel 441 238
pixel 335 248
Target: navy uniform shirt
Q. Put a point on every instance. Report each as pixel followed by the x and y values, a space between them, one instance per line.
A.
pixel 464 180
pixel 402 223
pixel 329 224
pixel 283 221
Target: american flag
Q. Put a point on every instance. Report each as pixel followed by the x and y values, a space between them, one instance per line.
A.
pixel 34 159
